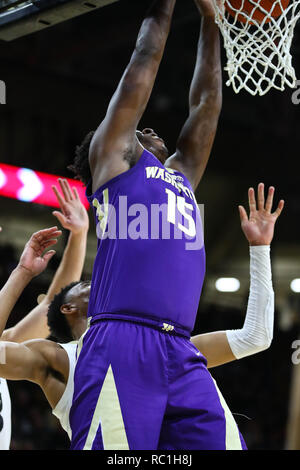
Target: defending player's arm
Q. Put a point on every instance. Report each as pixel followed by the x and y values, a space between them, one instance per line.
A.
pixel 256 335
pixel 116 136
pixel 27 361
pixel 32 263
pixel 205 100
pixel 40 361
pixel 22 361
pixel 73 217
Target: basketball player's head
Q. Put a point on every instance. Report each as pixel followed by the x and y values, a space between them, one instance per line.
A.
pixel 81 165
pixel 67 313
pixel 147 137
pixel 154 144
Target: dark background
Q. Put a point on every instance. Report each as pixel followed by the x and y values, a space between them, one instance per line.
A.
pixel 59 83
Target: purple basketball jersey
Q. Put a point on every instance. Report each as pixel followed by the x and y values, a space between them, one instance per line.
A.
pixel 151 259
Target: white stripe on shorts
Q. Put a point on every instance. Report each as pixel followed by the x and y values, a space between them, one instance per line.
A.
pixel 233 441
pixel 108 413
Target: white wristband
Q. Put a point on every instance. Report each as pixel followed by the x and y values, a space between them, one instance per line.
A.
pixel 257 332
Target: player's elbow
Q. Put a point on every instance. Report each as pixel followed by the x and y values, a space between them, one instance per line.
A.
pixel 261 344
pixel 151 41
pixel 210 105
pixel 213 100
pixel 147 52
pixel 262 347
pixel 8 335
pixel 266 344
pixel 245 344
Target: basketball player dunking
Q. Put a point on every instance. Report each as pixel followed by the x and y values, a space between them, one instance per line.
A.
pixel 146 286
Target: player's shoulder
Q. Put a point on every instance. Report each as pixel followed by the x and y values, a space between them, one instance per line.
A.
pixel 53 356
pixel 44 346
pixel 110 176
pixel 179 176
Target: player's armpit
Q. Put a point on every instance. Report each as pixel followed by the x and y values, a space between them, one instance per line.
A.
pixel 214 347
pixel 21 362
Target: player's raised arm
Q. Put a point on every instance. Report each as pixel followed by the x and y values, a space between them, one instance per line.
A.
pixel 205 100
pixel 256 335
pixel 115 138
pixel 73 217
pixel 21 361
pixel 32 262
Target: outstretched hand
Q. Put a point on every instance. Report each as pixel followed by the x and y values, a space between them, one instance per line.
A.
pixel 73 215
pixel 32 259
pixel 259 227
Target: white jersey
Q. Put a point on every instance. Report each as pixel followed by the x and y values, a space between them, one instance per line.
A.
pixel 5 416
pixel 62 409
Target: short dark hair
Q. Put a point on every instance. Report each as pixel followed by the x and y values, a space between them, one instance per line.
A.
pixel 60 330
pixel 80 166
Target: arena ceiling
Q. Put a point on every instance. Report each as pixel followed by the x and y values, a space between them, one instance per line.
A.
pixel 59 82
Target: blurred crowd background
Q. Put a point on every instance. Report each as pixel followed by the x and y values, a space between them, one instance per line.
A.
pixel 59 82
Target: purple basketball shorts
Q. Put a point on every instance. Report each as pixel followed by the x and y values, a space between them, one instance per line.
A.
pixel 145 387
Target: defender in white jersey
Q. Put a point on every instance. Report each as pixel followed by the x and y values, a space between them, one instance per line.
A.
pixel 62 409
pixel 51 365
pixel 73 217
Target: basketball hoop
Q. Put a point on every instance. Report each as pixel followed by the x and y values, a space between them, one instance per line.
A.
pixel 257 37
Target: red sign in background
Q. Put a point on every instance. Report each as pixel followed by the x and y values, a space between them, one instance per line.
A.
pixel 33 186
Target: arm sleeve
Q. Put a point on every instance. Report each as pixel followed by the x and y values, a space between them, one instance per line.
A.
pixel 257 332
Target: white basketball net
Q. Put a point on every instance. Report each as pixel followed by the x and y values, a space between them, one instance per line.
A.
pixel 258 53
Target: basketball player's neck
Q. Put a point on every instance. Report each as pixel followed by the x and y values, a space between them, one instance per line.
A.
pixel 78 327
